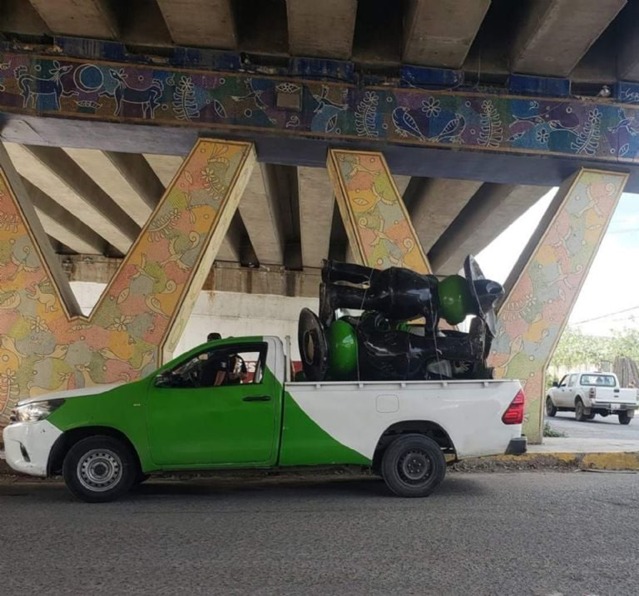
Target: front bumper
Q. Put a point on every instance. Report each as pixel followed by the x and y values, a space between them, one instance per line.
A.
pixel 517 446
pixel 27 446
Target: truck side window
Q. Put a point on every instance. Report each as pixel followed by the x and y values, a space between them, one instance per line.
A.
pixel 225 366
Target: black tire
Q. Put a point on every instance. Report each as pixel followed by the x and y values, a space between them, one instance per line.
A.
pixel 624 418
pixel 100 469
pixel 551 410
pixel 590 416
pixel 580 411
pixel 413 466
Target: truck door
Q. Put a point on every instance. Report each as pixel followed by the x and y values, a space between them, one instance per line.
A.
pixel 560 393
pixel 221 406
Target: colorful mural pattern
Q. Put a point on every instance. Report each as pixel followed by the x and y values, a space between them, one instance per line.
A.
pixel 43 349
pixel 376 221
pixel 535 311
pixel 588 129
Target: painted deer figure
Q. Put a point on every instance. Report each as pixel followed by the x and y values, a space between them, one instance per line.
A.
pixel 148 99
pixel 32 87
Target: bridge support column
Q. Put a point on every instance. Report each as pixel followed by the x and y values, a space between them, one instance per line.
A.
pixel 46 344
pixel 377 223
pixel 545 283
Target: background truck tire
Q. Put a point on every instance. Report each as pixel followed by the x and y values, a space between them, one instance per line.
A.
pixel 581 414
pixel 624 418
pixel 413 466
pixel 99 469
pixel 551 410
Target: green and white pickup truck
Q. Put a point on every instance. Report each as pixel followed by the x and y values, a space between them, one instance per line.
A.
pixel 228 404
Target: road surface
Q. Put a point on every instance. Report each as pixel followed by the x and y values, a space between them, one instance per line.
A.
pixel 598 428
pixel 571 533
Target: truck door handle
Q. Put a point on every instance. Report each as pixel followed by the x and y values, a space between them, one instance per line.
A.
pixel 257 398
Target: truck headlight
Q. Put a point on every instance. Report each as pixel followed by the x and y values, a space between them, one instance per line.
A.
pixel 36 411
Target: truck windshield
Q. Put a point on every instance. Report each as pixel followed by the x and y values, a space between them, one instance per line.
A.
pixel 598 380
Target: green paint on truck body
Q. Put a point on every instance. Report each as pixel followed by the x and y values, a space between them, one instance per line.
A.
pixel 253 425
pixel 305 443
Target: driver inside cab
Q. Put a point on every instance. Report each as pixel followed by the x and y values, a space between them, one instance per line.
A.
pixel 237 372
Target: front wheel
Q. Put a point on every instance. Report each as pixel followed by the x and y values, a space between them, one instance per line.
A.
pixel 99 469
pixel 624 417
pixel 551 410
pixel 413 466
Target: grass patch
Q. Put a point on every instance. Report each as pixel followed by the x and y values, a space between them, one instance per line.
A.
pixel 550 432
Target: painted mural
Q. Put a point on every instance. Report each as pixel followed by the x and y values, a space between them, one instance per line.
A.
pixel 42 348
pixel 58 86
pixel 535 311
pixel 374 214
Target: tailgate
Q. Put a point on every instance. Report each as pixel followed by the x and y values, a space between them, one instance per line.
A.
pixel 627 396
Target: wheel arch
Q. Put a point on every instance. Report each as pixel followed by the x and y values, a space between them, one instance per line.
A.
pixel 427 428
pixel 69 438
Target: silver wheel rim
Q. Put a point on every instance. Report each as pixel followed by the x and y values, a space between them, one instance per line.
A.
pixel 579 409
pixel 415 467
pixel 548 406
pixel 99 470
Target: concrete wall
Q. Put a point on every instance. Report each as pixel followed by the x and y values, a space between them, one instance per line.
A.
pixel 228 313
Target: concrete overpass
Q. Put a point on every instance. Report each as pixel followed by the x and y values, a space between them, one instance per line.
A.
pixel 93 201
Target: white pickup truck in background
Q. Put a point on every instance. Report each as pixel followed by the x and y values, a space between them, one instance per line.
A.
pixel 587 394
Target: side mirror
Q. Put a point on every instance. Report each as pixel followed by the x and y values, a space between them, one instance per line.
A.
pixel 555 384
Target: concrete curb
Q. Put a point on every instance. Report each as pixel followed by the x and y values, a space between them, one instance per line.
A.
pixel 619 461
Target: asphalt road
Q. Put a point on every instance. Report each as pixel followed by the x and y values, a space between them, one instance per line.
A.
pixel 598 428
pixel 496 534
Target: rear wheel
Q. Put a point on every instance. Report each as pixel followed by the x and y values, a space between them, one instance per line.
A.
pixel 99 469
pixel 580 411
pixel 625 417
pixel 413 466
pixel 551 410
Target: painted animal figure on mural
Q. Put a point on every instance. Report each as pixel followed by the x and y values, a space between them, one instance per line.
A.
pixel 148 99
pixel 32 87
pixel 379 344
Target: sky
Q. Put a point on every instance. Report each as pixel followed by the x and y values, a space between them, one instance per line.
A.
pixel 609 298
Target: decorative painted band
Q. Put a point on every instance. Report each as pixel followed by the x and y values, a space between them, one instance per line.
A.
pixel 596 129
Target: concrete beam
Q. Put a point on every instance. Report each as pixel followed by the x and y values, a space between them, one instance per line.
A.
pixel 491 210
pixel 440 32
pixel 164 166
pixel 259 210
pixel 99 166
pixel 17 16
pixel 56 174
pixel 433 203
pixel 556 34
pixel 209 23
pixel 139 175
pixel 627 44
pixel 317 202
pixel 84 18
pixel 323 29
pixel 63 225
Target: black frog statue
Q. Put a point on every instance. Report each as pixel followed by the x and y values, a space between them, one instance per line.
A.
pixel 398 336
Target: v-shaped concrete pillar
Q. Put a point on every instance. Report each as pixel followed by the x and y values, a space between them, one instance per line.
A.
pixel 377 224
pixel 544 284
pixel 46 344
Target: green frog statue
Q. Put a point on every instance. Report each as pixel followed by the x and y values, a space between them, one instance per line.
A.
pixel 397 333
